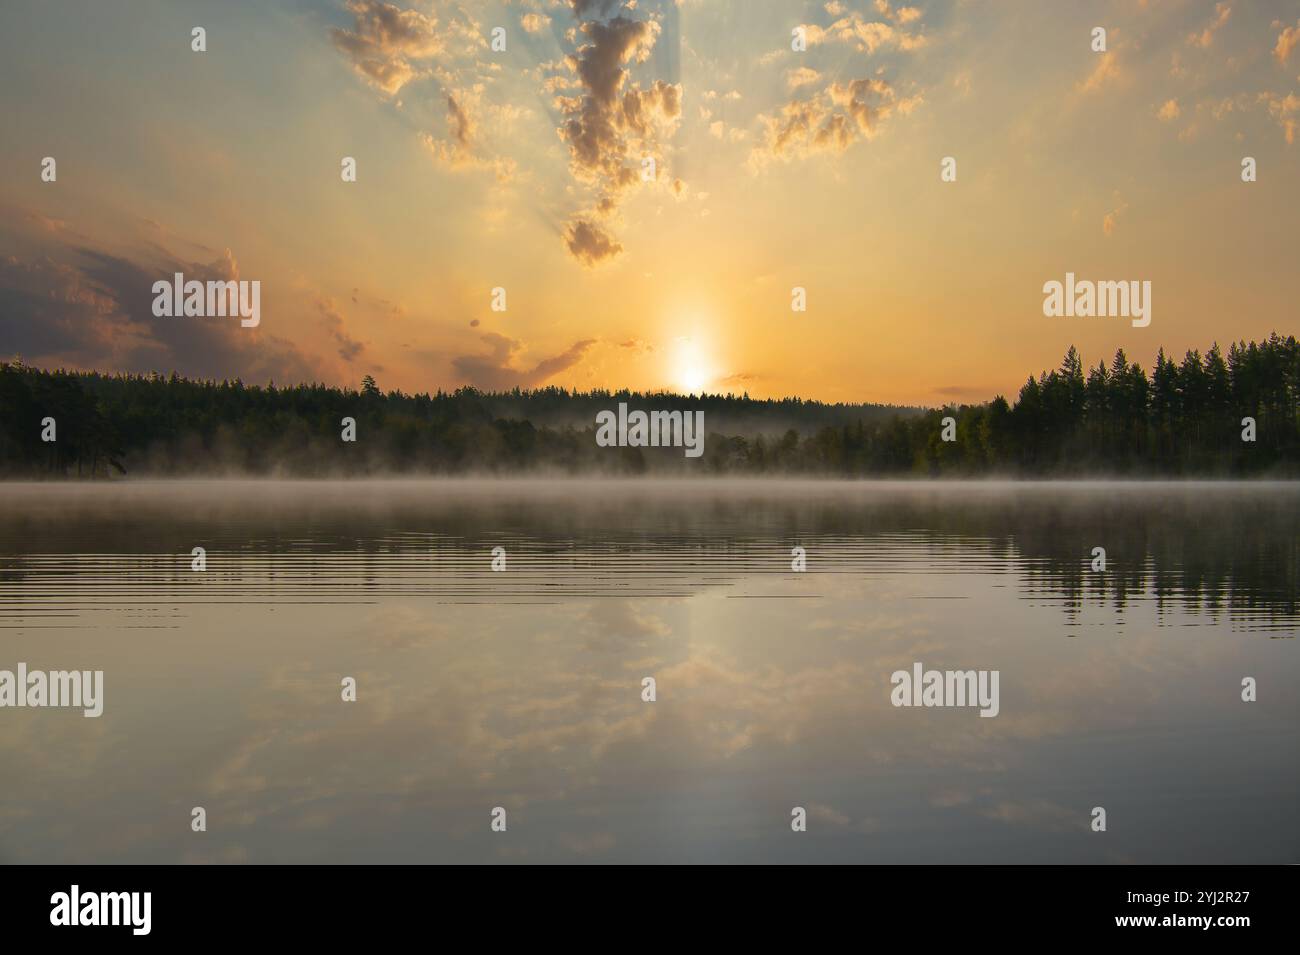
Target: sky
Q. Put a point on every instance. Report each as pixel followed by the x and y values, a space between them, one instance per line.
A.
pixel 647 181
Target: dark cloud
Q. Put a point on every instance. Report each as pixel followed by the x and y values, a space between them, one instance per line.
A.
pixel 461 149
pixel 613 123
pixel 349 348
pixel 587 9
pixel 462 127
pixel 964 391
pixel 51 311
pixel 495 371
pixel 93 310
pixel 390 46
pixel 199 347
pixel 595 122
pixel 589 243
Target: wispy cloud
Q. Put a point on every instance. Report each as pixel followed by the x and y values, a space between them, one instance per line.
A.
pixel 496 370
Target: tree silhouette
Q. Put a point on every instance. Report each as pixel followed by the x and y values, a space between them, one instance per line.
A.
pixel 1185 419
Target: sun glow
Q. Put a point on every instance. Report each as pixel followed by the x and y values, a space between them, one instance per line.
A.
pixel 691 371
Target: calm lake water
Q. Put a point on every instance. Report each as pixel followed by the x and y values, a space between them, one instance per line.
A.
pixel 522 688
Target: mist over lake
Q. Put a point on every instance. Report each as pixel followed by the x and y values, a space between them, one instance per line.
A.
pixel 521 688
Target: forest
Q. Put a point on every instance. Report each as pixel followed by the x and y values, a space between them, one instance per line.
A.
pixel 1185 418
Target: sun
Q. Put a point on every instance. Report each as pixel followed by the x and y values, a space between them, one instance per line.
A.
pixel 691 372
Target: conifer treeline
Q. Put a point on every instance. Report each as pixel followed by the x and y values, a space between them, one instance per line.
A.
pixel 1185 418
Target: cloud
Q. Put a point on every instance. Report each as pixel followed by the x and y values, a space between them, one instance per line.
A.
pixel 964 391
pixel 49 224
pixel 582 9
pixel 1205 39
pixel 612 120
pixel 589 243
pixel 460 121
pixel 733 134
pixel 89 309
pixel 54 311
pixel 390 46
pixel 865 36
pixel 1284 109
pixel 461 149
pixel 348 347
pixel 625 621
pixel 593 122
pixel 534 22
pixel 496 370
pixel 829 121
pixel 385 40
pixel 739 379
pixel 828 815
pixel 1103 74
pixel 1287 41
pixel 898 15
pixel 801 76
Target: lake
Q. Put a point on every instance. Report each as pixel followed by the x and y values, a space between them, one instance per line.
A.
pixel 522 687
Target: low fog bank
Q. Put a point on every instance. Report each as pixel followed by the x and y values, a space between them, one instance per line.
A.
pixel 533 488
pixel 1193 537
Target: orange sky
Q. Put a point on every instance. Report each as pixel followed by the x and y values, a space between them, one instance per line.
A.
pixel 522 169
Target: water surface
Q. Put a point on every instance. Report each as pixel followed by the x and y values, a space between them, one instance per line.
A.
pixel 522 688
